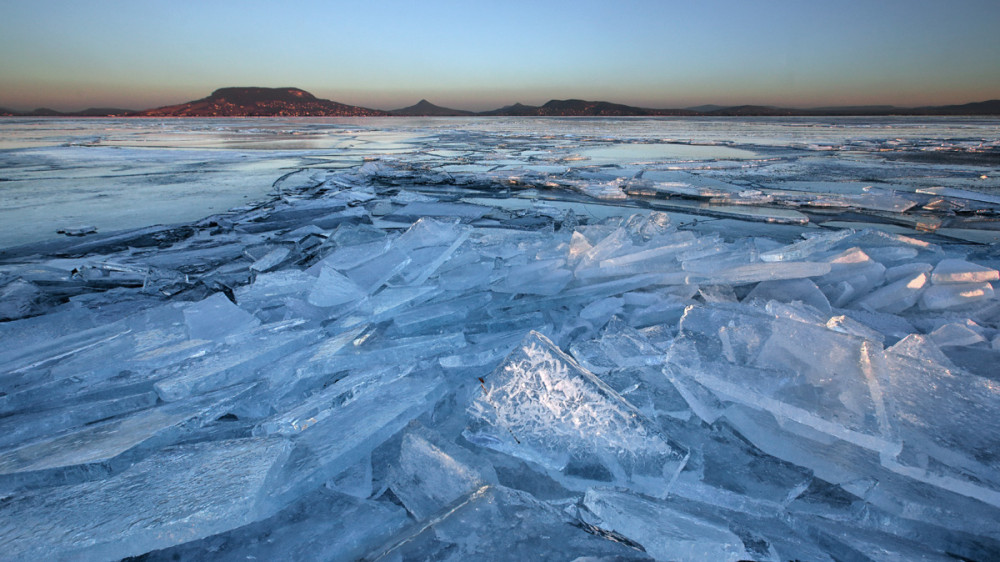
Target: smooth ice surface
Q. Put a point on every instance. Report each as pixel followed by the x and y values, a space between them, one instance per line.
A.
pixel 516 339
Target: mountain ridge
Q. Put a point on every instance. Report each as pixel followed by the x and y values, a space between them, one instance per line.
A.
pixel 254 101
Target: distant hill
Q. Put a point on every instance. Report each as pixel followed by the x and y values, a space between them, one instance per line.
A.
pixel 856 110
pixel 582 108
pixel 705 108
pixel 104 112
pixel 260 102
pixel 44 112
pixel 990 107
pixel 600 109
pixel 754 111
pixel 588 108
pixel 424 108
pixel 89 112
pixel 517 109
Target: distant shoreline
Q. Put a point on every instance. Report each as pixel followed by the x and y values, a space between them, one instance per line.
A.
pixel 802 113
pixel 293 102
pixel 478 116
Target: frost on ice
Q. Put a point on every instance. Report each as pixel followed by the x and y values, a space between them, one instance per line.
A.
pixel 541 406
pixel 411 359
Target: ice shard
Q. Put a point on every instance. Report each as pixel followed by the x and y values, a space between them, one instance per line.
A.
pixel 663 532
pixel 99 449
pixel 499 522
pixel 945 420
pixel 216 318
pixel 332 288
pixel 894 297
pixel 236 363
pixel 323 525
pixel 542 277
pixel 956 296
pixel 791 290
pixel 339 429
pixel 960 271
pixel 710 274
pixel 778 365
pixel 18 299
pixel 180 494
pixel 430 474
pixel 541 406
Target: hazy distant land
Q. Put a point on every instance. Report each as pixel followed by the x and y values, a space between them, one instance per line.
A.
pixel 294 102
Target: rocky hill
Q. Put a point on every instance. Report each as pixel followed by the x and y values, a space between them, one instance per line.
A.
pixel 261 102
pixel 583 108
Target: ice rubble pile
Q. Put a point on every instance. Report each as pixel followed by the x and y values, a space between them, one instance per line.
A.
pixel 363 372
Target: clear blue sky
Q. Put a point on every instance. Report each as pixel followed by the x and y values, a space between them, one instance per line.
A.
pixel 71 54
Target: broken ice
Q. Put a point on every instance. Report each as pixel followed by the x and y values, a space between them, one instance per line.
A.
pixel 497 340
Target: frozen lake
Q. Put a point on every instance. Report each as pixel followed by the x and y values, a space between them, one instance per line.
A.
pixel 513 339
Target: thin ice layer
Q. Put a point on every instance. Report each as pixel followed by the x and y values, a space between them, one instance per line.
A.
pixel 541 277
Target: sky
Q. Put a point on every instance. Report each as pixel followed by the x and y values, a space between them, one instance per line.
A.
pixel 478 55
